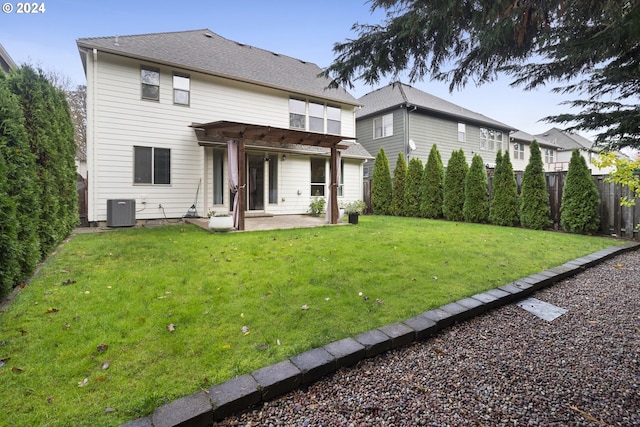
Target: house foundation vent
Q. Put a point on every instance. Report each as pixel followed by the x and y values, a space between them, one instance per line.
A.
pixel 121 213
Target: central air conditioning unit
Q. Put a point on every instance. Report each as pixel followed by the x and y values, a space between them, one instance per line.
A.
pixel 121 213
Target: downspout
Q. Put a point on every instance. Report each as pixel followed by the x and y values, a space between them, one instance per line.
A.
pixel 407 148
pixel 92 173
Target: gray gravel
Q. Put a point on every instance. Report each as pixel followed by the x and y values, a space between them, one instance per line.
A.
pixel 503 368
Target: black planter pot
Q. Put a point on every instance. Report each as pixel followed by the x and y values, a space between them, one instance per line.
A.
pixel 353 218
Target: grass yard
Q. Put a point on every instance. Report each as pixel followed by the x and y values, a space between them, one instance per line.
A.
pixel 168 311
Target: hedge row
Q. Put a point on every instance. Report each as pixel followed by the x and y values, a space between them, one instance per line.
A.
pixel 462 194
pixel 38 196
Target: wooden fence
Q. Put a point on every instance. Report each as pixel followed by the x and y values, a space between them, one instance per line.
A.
pixel 615 220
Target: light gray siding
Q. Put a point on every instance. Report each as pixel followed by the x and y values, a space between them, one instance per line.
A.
pixel 392 144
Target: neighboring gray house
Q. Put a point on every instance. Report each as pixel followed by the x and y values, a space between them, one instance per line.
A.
pixel 406 120
pixel 6 63
pixel 567 142
pixel 162 107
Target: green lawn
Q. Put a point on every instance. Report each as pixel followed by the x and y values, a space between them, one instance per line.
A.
pixel 113 298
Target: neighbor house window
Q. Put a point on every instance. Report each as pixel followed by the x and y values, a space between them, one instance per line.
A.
pixel 462 132
pixel 150 80
pixel 318 176
pixel 383 126
pixel 152 165
pixel 490 139
pixel 314 116
pixel 548 155
pixel 518 151
pixel 297 114
pixel 218 177
pixel 181 89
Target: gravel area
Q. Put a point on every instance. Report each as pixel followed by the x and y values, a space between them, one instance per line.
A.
pixel 504 368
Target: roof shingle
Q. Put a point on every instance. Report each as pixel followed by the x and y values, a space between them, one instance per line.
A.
pixel 206 52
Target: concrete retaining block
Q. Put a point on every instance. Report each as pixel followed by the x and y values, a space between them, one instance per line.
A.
pixel 234 395
pixel 347 352
pixel 314 364
pixel 192 411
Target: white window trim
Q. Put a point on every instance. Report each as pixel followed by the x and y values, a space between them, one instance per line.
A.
pixel 386 122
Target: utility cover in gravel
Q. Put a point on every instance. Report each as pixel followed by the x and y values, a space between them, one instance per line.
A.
pixel 543 310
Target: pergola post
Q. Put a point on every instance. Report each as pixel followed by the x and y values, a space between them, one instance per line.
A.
pixel 333 192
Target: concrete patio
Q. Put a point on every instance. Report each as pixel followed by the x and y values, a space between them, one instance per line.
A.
pixel 272 222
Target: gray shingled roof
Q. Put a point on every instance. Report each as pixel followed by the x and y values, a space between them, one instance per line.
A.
pixel 396 94
pixel 567 140
pixel 206 52
pixel 528 138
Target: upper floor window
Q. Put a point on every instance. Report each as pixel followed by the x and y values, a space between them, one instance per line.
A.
pixel 518 151
pixel 151 165
pixel 383 126
pixel 297 114
pixel 314 116
pixel 490 139
pixel 462 132
pixel 181 89
pixel 548 155
pixel 150 81
pixel 334 118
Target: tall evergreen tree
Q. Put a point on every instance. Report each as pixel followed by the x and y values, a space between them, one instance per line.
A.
pixel 504 201
pixel 432 186
pixel 412 190
pixel 535 42
pixel 51 140
pixel 399 181
pixel 21 189
pixel 454 179
pixel 381 190
pixel 535 211
pixel 579 209
pixel 476 197
pixel 9 263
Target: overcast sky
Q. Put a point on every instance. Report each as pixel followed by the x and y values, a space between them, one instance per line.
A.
pixel 305 30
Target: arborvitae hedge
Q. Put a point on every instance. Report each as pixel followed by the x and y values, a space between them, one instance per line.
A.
pixel 412 189
pixel 381 187
pixel 50 135
pixel 504 201
pixel 399 182
pixel 453 201
pixel 476 197
pixel 21 190
pixel 535 210
pixel 579 211
pixel 432 186
pixel 9 263
pixel 38 149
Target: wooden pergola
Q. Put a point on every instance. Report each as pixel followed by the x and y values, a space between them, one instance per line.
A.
pixel 243 132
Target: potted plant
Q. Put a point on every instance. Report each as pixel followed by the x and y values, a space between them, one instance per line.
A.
pixel 354 209
pixel 220 221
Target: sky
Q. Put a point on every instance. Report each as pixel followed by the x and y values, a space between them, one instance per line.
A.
pixel 305 30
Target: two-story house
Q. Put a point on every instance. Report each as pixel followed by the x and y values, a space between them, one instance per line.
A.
pixel 566 143
pixel 163 108
pixel 406 120
pixel 520 151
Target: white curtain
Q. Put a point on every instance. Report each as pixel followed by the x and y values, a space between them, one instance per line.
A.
pixel 232 158
pixel 338 162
